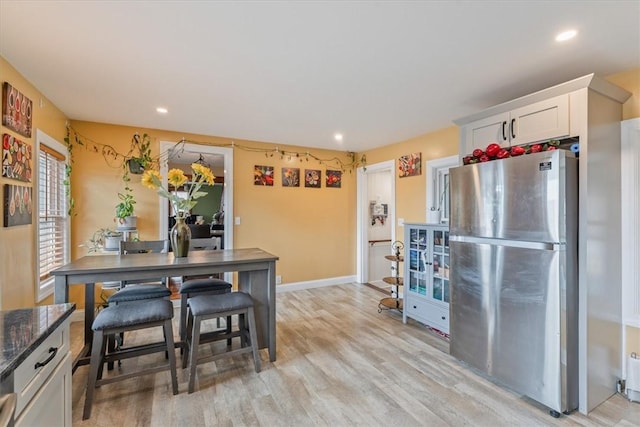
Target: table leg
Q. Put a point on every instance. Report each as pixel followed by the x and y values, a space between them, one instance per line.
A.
pixel 89 301
pixel 60 290
pixel 259 285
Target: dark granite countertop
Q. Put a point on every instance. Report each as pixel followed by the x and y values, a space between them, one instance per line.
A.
pixel 23 330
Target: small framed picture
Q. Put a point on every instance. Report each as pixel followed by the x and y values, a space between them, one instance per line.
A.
pixel 16 159
pixel 18 205
pixel 16 110
pixel 334 179
pixel 312 178
pixel 290 177
pixel 410 165
pixel 263 175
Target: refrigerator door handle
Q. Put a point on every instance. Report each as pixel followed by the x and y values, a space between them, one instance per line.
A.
pixel 510 243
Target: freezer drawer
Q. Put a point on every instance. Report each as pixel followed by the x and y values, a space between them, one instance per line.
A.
pixel 513 318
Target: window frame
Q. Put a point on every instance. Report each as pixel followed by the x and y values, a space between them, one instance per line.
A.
pixel 436 170
pixel 45 288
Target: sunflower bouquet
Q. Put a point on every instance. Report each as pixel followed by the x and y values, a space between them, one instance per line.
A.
pixel 176 178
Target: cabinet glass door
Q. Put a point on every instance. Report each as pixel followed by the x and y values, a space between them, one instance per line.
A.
pixel 440 250
pixel 418 262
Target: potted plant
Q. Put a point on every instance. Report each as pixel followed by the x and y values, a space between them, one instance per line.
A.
pixel 104 238
pixel 124 210
pixel 137 164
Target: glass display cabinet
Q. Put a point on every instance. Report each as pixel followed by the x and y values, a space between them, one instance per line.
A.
pixel 427 290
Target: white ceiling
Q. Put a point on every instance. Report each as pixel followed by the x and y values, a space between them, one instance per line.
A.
pixel 297 72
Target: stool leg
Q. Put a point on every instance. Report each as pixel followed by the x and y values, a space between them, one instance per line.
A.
pixel 171 351
pixel 228 329
pixel 187 340
pixel 193 359
pixel 242 327
pixel 254 338
pixel 97 352
pixel 183 316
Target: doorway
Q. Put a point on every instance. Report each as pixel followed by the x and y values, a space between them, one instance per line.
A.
pixel 376 221
pixel 190 153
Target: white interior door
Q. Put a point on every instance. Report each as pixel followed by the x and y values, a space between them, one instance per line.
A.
pixel 375 184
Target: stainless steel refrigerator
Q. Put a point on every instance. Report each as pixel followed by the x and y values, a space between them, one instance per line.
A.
pixel 514 287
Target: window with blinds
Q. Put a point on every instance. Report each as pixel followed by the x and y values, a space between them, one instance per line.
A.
pixel 53 236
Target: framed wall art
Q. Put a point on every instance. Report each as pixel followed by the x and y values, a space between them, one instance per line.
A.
pixel 17 158
pixel 16 110
pixel 263 175
pixel 410 165
pixel 334 179
pixel 312 178
pixel 290 177
pixel 18 205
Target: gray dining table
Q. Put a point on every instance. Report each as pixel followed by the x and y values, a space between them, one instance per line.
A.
pixel 256 276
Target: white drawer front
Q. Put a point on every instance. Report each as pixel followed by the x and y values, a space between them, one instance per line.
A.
pixel 27 378
pixel 431 314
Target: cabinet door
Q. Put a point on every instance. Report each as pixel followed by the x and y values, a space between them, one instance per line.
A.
pixel 440 275
pixel 417 263
pixel 542 120
pixel 51 405
pixel 483 132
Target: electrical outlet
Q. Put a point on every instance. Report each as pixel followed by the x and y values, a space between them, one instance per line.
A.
pixel 400 222
pixel 237 220
pixel 278 280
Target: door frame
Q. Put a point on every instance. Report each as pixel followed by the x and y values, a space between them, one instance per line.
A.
pixel 362 209
pixel 227 192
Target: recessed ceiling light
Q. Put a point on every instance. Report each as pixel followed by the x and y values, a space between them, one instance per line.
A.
pixel 338 137
pixel 162 110
pixel 566 35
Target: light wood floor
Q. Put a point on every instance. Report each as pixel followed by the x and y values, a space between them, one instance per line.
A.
pixel 339 363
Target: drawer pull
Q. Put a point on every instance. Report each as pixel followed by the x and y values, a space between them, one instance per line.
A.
pixel 53 351
pixel 443 318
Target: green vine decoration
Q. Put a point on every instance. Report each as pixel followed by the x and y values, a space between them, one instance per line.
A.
pixel 332 162
pixel 140 152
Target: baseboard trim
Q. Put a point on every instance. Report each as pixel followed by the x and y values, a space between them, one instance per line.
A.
pixel 295 286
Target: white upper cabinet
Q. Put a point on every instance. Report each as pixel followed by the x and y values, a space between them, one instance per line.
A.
pixel 539 121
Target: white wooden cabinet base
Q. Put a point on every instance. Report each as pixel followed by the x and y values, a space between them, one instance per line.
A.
pixel 35 364
pixel 44 392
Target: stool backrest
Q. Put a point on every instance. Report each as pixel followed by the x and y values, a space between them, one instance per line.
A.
pixel 203 244
pixel 143 246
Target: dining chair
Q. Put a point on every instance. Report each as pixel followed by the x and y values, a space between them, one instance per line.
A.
pixel 132 291
pixel 135 290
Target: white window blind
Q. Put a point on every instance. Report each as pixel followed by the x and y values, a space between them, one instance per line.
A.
pixel 53 241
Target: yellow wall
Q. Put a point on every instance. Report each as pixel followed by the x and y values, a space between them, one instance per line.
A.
pixel 17 254
pixel 310 229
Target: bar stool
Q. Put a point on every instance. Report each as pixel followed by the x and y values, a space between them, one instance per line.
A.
pixel 206 307
pixel 129 317
pixel 195 287
pixel 207 285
